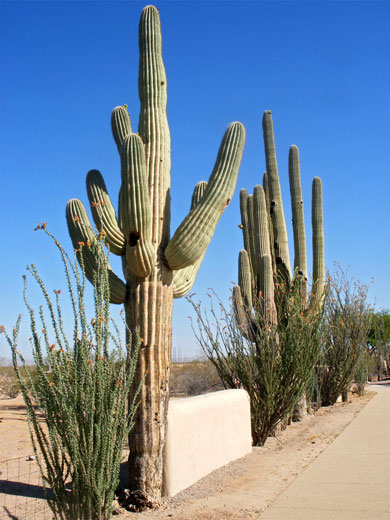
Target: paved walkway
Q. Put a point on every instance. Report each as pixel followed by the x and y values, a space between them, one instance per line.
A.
pixel 350 480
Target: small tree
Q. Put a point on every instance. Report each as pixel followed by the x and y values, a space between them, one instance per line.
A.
pixel 275 369
pixel 345 332
pixel 81 389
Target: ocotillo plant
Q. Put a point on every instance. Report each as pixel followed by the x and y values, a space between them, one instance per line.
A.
pixel 157 268
pixel 265 261
pixel 76 395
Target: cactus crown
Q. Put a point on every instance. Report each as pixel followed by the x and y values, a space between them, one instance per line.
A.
pixel 141 232
pixel 264 262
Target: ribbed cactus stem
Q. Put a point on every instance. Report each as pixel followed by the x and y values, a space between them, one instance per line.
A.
pixel 120 125
pixel 318 239
pixel 245 278
pixel 244 219
pixel 267 192
pixel 243 317
pixel 103 212
pixel 183 279
pixel 260 229
pixel 83 237
pixel 198 193
pixel 282 254
pixel 134 208
pixel 254 262
pixel 153 124
pixel 193 235
pixel 298 219
pixel 267 290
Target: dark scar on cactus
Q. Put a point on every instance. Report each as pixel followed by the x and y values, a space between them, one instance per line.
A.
pixel 133 238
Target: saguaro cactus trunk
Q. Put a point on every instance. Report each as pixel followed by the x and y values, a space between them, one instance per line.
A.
pixel 157 268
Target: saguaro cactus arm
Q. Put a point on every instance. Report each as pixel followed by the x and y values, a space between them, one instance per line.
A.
pixel 103 212
pixel 193 235
pixel 298 219
pixel 83 237
pixel 260 230
pixel 244 218
pixel 243 316
pixel 267 192
pixel 184 279
pixel 318 239
pixel 245 278
pixel 120 125
pixel 282 254
pixel 267 290
pixel 134 208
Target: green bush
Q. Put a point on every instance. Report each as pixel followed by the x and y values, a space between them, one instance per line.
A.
pixel 81 390
pixel 344 333
pixel 379 344
pixel 276 369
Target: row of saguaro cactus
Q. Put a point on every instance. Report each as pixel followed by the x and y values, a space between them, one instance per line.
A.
pixel 156 267
pixel 265 259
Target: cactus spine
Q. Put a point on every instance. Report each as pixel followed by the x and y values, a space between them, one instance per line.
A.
pixel 265 257
pixel 157 268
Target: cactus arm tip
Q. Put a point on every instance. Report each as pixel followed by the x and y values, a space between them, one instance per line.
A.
pixel 120 125
pixel 184 279
pixel 83 238
pixel 103 212
pixel 192 237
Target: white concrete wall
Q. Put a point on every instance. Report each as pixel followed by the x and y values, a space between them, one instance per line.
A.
pixel 204 433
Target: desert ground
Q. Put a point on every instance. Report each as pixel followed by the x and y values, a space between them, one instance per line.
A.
pixel 241 490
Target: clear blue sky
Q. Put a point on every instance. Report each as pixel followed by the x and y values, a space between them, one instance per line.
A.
pixel 322 68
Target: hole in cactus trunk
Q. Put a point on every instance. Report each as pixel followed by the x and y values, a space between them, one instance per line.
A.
pixel 133 238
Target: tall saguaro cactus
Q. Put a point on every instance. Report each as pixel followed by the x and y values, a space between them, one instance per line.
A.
pixel 265 257
pixel 157 268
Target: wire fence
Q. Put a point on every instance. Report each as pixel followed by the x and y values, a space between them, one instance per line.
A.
pixel 22 494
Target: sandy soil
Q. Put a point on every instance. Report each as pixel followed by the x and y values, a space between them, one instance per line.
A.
pixel 241 490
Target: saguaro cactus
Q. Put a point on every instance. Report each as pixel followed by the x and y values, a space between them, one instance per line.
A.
pixel 157 268
pixel 265 257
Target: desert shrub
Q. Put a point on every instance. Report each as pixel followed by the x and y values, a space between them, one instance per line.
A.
pixel 275 369
pixel 379 344
pixel 81 390
pixel 9 385
pixel 194 378
pixel 365 367
pixel 344 333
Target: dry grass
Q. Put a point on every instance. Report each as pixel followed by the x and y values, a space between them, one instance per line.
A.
pixel 194 378
pixel 9 385
pixel 187 379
